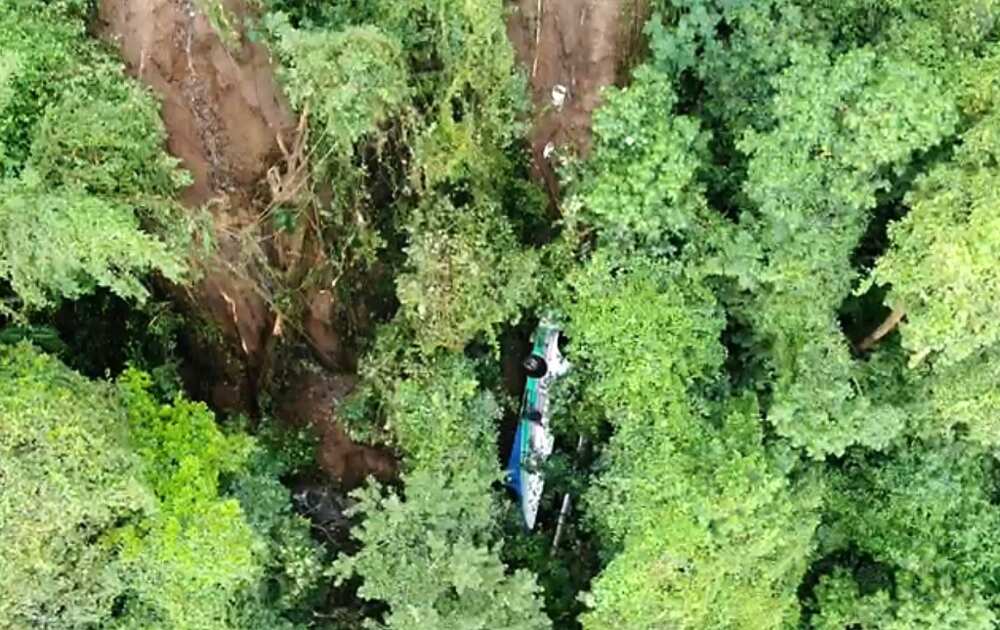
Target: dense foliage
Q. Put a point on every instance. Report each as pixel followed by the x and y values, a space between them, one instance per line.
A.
pixel 430 90
pixel 67 480
pixel 804 176
pixel 924 521
pixel 85 186
pixel 777 272
pixel 432 558
pixel 445 571
pixel 710 530
pixel 114 510
pixel 414 110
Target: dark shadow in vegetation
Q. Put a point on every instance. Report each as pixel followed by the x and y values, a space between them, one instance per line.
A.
pixel 725 176
pixel 101 334
pixel 524 203
pixel 508 381
pixel 891 205
pixel 860 315
pixel 870 574
pixel 308 14
pixel 744 363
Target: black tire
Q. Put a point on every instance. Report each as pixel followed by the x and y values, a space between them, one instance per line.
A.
pixel 535 366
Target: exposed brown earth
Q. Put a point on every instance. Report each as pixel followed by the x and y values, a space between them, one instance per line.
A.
pixel 310 399
pixel 231 127
pixel 580 46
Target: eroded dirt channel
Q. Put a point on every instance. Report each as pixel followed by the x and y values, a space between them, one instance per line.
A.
pixel 232 128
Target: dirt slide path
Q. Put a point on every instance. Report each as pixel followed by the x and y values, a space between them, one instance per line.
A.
pixel 571 50
pixel 232 129
pixel 224 114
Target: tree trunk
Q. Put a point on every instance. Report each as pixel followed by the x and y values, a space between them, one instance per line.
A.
pixel 886 327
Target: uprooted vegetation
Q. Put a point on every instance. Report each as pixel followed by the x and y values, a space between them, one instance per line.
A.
pixel 768 228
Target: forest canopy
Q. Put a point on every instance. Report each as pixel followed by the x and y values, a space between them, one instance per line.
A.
pixel 268 269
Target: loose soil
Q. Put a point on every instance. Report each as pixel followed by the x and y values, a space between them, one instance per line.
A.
pixel 231 127
pixel 310 400
pixel 583 46
pixel 223 113
pixel 222 107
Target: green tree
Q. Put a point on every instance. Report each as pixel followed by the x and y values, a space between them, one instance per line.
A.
pixel 441 418
pixel 432 557
pixel 67 481
pixel 201 559
pixel 693 511
pixel 430 550
pixel 465 274
pixel 352 82
pixel 114 513
pixel 86 185
pixel 941 264
pixel 925 518
pixel 641 186
pixel 716 535
pixel 63 244
pixel 843 125
pixel 191 556
pixel 938 269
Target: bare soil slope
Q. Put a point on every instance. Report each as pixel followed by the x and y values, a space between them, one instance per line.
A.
pixel 576 46
pixel 234 131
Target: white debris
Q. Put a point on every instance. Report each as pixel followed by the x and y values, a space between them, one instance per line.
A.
pixel 548 150
pixel 559 94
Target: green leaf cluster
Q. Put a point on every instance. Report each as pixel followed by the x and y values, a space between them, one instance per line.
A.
pixel 926 524
pixel 642 184
pixel 441 418
pixel 432 557
pixel 114 510
pixel 67 480
pixel 465 274
pixel 821 156
pixel 85 186
pixel 694 507
pixel 352 81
